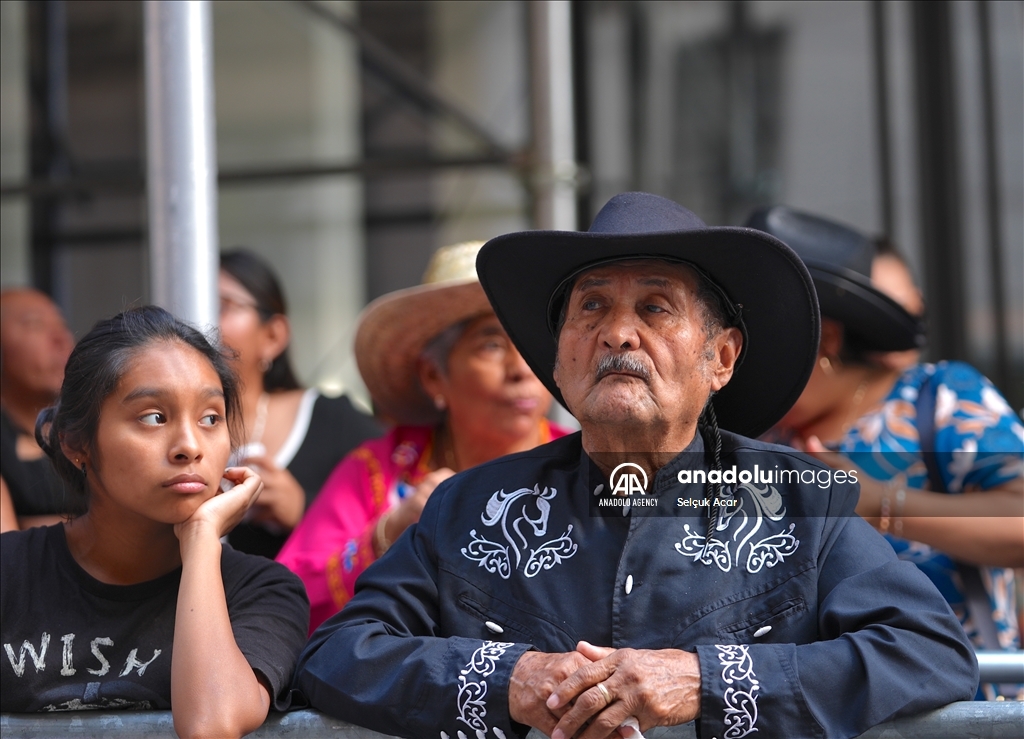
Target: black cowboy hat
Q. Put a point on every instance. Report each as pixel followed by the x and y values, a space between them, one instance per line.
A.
pixel 839 260
pixel 526 276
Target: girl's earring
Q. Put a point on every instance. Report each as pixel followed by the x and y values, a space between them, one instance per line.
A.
pixel 826 366
pixel 440 403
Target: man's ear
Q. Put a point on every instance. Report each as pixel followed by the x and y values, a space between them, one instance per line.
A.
pixel 728 345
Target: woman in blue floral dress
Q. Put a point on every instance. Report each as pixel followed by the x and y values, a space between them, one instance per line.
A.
pixel 956 509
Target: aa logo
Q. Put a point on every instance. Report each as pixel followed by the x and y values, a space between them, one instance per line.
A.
pixel 628 479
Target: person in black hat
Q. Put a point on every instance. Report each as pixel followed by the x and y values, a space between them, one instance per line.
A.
pixel 920 435
pixel 891 274
pixel 658 566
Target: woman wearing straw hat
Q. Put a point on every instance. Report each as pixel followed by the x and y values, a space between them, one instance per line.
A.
pixel 439 365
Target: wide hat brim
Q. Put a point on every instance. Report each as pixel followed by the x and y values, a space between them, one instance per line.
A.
pixel 877 321
pixel 520 272
pixel 839 258
pixel 391 335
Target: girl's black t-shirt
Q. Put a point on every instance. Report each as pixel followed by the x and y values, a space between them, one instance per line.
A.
pixel 71 642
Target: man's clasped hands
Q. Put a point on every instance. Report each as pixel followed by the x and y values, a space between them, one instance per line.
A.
pixel 592 691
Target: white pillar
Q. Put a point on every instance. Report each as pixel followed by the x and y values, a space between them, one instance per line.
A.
pixel 181 159
pixel 553 126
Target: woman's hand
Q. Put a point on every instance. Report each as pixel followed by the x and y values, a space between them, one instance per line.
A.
pixel 214 690
pixel 408 511
pixel 223 511
pixel 283 501
pixel 982 527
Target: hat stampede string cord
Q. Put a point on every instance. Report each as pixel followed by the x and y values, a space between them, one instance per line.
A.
pixel 708 425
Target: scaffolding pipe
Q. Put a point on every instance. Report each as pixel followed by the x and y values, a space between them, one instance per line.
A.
pixel 181 171
pixel 554 140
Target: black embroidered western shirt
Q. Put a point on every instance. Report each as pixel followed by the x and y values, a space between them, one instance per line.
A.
pixel 804 621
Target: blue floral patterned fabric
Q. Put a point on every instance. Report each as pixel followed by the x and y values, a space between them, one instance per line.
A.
pixel 979 445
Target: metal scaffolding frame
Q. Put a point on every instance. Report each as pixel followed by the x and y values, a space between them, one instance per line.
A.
pixel 547 166
pixel 409 82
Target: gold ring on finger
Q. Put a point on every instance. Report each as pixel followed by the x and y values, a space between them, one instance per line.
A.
pixel 604 691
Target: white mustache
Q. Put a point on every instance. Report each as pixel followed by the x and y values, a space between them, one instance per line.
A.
pixel 610 363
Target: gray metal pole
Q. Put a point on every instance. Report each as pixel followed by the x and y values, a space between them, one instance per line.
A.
pixel 182 164
pixel 554 172
pixel 879 41
pixel 554 139
pixel 993 197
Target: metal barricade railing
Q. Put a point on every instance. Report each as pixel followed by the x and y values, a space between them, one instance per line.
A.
pixel 1001 667
pixel 982 720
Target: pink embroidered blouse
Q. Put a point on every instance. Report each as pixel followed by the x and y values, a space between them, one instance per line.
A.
pixel 333 544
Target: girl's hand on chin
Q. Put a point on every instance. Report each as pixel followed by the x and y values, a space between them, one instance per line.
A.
pixel 225 510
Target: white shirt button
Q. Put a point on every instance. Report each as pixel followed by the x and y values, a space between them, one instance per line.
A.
pixel 629 584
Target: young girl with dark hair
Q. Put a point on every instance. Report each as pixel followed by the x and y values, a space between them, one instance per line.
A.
pixel 136 603
pixel 294 437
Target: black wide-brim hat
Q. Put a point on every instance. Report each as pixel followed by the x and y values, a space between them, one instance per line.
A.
pixel 526 276
pixel 839 260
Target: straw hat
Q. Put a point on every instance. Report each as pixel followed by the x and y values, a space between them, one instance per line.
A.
pixel 394 329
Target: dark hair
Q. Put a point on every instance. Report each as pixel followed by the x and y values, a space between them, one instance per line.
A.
pixel 711 299
pixel 96 366
pixel 884 246
pixel 259 280
pixel 857 350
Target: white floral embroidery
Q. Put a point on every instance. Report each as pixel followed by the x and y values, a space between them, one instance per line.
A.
pixel 766 552
pixel 497 557
pixel 473 689
pixel 550 553
pixel 741 695
pixel 498 734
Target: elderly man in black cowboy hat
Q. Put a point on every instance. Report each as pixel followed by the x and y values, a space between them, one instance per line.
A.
pixel 652 569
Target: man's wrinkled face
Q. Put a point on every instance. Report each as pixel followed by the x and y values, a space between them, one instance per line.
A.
pixel 633 347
